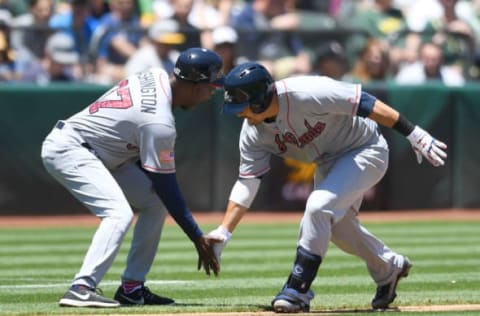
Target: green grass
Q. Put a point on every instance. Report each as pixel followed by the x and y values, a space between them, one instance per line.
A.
pixel 37 265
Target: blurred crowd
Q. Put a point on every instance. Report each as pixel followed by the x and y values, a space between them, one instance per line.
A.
pixel 101 41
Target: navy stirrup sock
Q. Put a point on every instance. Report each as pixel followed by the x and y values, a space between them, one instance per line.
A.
pixel 304 270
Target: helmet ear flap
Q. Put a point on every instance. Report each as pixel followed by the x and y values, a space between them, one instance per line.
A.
pixel 255 82
pixel 263 100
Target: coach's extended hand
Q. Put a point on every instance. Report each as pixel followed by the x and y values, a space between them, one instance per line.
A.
pixel 206 255
pixel 222 234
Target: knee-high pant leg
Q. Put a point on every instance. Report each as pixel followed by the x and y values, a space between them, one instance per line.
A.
pixel 148 228
pixel 339 188
pixel 85 176
pixel 351 237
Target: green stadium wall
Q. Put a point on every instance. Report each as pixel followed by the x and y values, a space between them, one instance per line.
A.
pixel 207 152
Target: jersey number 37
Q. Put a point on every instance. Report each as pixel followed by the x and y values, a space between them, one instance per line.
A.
pixel 118 97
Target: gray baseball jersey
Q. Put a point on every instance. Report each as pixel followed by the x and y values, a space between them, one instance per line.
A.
pixel 316 123
pixel 133 119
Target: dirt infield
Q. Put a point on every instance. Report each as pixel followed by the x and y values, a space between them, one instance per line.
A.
pixel 420 309
pixel 252 217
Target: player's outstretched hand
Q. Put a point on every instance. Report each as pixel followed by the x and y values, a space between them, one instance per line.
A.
pixel 206 255
pixel 224 235
pixel 424 145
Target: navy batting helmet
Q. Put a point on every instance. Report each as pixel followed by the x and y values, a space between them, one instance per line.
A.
pixel 199 65
pixel 248 84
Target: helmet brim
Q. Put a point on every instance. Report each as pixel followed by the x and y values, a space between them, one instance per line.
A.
pixel 234 108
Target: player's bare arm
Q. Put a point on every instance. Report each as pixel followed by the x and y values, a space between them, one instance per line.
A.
pixel 241 197
pixel 423 144
pixel 223 233
pixel 233 215
pixel 384 114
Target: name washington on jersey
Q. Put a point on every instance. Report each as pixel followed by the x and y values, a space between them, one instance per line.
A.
pixel 148 91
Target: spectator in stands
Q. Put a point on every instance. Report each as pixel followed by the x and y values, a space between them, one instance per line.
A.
pixel 31 29
pixel 429 67
pixel 383 20
pixel 60 64
pixel 225 44
pixel 75 22
pixel 161 51
pixel 209 14
pixel 8 68
pixel 98 9
pixel 330 60
pixel 224 40
pixel 222 9
pixel 454 15
pixel 449 23
pixel 119 35
pixel 204 14
pixel 266 25
pixel 180 11
pixel 373 63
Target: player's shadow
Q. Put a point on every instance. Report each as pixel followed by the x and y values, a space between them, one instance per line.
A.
pixel 351 310
pixel 268 308
pixel 229 306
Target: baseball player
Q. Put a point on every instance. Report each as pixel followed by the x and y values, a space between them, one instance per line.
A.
pixel 334 124
pixel 118 155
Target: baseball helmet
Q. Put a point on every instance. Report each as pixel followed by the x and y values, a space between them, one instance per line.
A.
pixel 248 84
pixel 199 65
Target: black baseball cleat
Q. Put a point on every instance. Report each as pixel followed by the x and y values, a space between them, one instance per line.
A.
pixel 82 296
pixel 386 293
pixel 141 296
